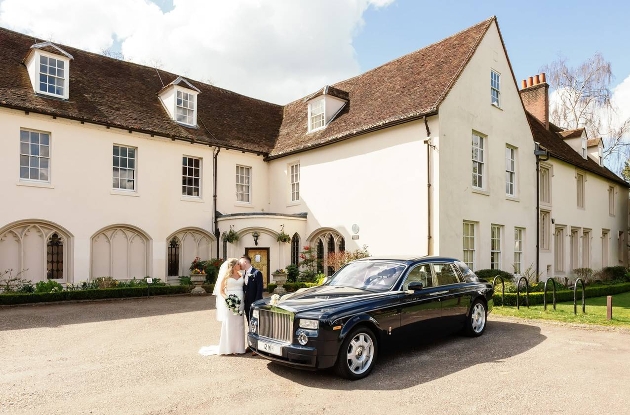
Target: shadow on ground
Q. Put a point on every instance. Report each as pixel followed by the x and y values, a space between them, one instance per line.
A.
pixel 63 314
pixel 405 365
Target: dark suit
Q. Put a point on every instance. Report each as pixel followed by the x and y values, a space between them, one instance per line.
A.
pixel 253 289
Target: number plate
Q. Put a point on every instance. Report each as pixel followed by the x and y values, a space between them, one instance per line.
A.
pixel 273 348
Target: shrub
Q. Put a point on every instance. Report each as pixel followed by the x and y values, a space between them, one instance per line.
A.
pixel 586 274
pixel 105 282
pixel 617 273
pixel 490 274
pixel 9 283
pixel 212 269
pixel 293 272
pixel 91 294
pixel 185 280
pixel 271 287
pixel 48 286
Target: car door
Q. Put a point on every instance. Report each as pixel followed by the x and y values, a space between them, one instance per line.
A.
pixel 420 309
pixel 454 295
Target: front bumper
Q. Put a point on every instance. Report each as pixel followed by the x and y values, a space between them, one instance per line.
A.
pixel 303 357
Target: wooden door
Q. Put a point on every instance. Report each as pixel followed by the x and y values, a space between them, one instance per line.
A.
pixel 260 261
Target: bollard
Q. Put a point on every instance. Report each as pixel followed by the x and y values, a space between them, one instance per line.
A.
pixel 609 307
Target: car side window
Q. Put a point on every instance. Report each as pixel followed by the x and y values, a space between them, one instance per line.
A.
pixel 445 274
pixel 420 273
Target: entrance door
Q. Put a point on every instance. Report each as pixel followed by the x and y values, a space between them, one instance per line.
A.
pixel 260 261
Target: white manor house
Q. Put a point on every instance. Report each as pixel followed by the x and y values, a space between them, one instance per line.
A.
pixel 109 168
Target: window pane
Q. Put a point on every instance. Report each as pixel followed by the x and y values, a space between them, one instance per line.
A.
pixel 123 151
pixel 44 151
pixel 116 151
pixel 23 172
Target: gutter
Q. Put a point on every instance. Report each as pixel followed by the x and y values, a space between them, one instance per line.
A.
pixel 353 134
pixel 430 146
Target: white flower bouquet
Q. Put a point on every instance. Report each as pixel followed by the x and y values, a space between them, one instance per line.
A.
pixel 234 304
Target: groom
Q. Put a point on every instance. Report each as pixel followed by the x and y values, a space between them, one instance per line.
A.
pixel 253 287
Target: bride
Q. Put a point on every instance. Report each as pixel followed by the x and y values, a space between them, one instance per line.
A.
pixel 232 339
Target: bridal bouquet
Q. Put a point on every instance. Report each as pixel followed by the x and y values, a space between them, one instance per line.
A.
pixel 234 304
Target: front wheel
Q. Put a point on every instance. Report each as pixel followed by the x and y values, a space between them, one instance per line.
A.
pixel 357 354
pixel 476 321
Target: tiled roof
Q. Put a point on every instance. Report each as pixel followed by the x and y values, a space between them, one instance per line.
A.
pixel 560 150
pixel 593 142
pixel 571 133
pixel 404 89
pixel 122 94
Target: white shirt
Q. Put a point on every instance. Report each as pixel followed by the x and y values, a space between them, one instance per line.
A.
pixel 247 271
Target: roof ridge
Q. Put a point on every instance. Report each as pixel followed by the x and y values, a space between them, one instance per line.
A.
pixel 487 22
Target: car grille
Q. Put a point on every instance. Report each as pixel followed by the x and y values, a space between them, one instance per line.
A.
pixel 277 326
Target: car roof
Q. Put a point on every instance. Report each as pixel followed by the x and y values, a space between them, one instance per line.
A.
pixel 410 258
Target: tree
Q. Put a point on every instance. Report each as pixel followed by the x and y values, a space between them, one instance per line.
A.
pixel 625 172
pixel 583 100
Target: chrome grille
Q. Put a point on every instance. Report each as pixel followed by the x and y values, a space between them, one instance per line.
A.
pixel 278 326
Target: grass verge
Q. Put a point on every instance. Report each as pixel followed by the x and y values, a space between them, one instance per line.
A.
pixel 595 311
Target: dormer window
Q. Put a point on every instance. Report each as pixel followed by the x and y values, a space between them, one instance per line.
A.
pixel 584 153
pixel 324 106
pixel 51 75
pixel 49 68
pixel 180 101
pixel 185 112
pixel 316 115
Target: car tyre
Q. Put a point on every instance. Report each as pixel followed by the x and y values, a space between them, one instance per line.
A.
pixel 477 319
pixel 357 354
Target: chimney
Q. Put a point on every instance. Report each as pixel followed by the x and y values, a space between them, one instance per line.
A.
pixel 535 96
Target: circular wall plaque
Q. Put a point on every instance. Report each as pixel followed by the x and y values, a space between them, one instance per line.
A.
pixel 355 228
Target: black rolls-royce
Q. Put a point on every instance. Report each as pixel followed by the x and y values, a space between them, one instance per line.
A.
pixel 343 322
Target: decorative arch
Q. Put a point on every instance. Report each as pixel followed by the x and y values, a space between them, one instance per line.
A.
pixel 250 229
pixel 326 241
pixel 192 242
pixel 121 252
pixel 37 249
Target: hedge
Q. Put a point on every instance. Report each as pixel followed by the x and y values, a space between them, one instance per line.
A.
pixel 14 298
pixel 561 296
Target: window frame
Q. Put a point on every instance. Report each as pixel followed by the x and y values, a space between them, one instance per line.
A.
pixel 248 185
pixel 321 102
pixel 469 250
pixel 558 248
pixel 478 161
pixel 294 181
pixel 605 247
pixel 510 175
pixel 545 230
pixel 580 189
pixel 66 69
pixel 29 156
pixel 545 184
pixel 185 177
pixel 586 248
pixel 495 246
pixel 190 111
pixel 495 88
pixel 134 169
pixel 574 248
pixel 611 201
pixel 519 240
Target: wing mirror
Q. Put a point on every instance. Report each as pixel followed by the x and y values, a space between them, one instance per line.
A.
pixel 415 286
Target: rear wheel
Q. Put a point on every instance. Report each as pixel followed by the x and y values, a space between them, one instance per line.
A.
pixel 357 354
pixel 476 321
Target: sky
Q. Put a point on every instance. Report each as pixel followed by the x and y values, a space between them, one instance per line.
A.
pixel 282 50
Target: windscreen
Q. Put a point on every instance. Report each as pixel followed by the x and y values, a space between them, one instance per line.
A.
pixel 375 276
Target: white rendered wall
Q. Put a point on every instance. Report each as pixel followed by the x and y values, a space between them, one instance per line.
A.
pixel 377 181
pixel 467 108
pixel 80 197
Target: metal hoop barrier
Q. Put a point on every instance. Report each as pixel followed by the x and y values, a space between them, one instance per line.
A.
pixel 494 283
pixel 518 292
pixel 545 293
pixel 575 296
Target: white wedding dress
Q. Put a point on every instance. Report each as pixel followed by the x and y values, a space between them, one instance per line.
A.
pixel 232 339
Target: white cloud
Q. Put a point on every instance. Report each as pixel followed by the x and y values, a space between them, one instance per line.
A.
pixel 275 50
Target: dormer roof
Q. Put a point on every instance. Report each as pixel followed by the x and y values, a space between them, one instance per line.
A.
pixel 331 91
pixel 594 142
pixel 183 83
pixel 575 133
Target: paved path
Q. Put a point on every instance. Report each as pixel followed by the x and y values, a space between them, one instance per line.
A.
pixel 140 357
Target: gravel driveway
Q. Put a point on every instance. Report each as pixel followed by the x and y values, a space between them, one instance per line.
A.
pixel 140 357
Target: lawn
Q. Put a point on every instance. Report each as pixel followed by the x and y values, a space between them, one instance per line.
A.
pixel 595 311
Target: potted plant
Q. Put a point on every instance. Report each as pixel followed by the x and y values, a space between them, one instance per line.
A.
pixel 279 277
pixel 198 275
pixel 230 236
pixel 283 237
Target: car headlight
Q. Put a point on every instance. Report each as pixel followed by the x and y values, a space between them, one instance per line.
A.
pixel 309 324
pixel 255 313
